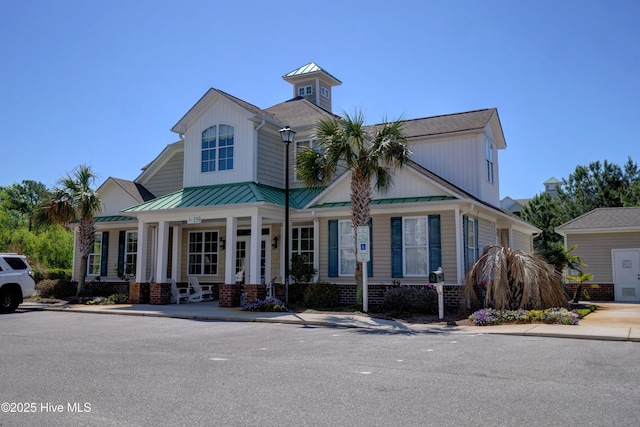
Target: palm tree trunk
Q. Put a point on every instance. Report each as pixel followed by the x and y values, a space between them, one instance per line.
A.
pixel 83 275
pixel 360 209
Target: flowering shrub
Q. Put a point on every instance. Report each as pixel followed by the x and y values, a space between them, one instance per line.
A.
pixel 485 316
pixel 491 316
pixel 267 304
pixel 111 299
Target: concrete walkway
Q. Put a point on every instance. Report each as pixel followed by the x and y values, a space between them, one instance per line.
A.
pixel 612 321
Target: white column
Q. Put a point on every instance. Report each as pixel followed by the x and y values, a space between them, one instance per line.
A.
pixel 230 251
pixel 141 258
pixel 316 247
pixel 176 247
pixel 256 243
pixel 162 252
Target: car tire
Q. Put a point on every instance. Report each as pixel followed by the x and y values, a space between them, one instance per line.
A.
pixel 9 301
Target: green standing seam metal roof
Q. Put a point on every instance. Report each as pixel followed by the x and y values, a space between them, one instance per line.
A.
pixel 227 194
pixel 396 200
pixel 114 218
pixel 309 68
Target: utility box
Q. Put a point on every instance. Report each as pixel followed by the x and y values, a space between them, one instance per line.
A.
pixel 436 276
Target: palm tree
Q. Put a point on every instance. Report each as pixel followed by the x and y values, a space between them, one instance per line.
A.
pixel 370 154
pixel 514 279
pixel 74 201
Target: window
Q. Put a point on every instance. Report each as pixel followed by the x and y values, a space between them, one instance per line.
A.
pixel 95 257
pixel 217 148
pixel 305 90
pixel 130 253
pixel 324 91
pixel 489 157
pixel 470 230
pixel 302 243
pixel 346 248
pixel 300 145
pixel 415 246
pixel 203 253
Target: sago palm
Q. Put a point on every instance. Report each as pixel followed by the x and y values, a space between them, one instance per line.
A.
pixel 75 202
pixel 369 154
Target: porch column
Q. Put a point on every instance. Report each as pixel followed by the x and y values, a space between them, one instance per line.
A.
pixel 256 250
pixel 141 258
pixel 230 254
pixel 176 271
pixel 316 247
pixel 162 252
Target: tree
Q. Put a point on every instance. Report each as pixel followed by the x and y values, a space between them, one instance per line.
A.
pixel 547 213
pixel 514 280
pixel 600 185
pixel 370 154
pixel 21 200
pixel 74 201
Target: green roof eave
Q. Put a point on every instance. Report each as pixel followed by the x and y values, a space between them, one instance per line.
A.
pixel 396 200
pixel 114 218
pixel 226 194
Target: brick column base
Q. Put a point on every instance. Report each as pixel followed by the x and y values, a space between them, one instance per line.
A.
pixel 139 293
pixel 160 293
pixel 230 295
pixel 254 292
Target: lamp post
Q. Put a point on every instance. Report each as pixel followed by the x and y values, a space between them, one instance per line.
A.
pixel 287 137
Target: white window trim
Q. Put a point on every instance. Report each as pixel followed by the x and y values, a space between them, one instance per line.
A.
pixel 489 161
pixel 299 241
pixel 126 252
pixel 345 248
pixel 324 92
pixel 93 255
pixel 203 253
pixel 426 246
pixel 306 90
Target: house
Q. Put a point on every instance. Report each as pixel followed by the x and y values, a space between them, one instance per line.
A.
pixel 608 241
pixel 212 203
pixel 515 206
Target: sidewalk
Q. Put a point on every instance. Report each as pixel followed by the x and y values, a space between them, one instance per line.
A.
pixel 612 321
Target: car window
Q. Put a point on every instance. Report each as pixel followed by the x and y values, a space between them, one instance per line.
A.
pixel 16 263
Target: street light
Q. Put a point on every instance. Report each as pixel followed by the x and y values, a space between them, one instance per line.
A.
pixel 287 137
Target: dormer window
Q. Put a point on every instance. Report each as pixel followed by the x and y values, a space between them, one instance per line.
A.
pixel 305 90
pixel 324 91
pixel 217 148
pixel 489 159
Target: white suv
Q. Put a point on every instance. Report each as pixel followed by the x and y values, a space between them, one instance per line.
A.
pixel 16 281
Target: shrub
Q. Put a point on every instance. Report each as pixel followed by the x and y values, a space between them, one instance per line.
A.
pixel 98 288
pixel 56 288
pixel 110 300
pixel 301 271
pixel 267 304
pixel 321 295
pixel 491 316
pixel 411 299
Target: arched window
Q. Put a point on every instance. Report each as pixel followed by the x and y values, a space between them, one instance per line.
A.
pixel 217 148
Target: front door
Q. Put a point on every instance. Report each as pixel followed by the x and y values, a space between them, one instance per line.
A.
pixel 243 257
pixel 626 274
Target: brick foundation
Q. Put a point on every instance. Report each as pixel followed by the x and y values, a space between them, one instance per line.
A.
pixel 254 292
pixel 160 293
pixel 604 292
pixel 139 293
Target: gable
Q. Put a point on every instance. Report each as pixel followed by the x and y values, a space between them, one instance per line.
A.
pixel 117 195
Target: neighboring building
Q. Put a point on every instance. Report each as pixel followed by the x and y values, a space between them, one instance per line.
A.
pixel 218 199
pixel 608 241
pixel 515 206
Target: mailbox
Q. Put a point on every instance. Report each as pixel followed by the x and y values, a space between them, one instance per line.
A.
pixel 436 276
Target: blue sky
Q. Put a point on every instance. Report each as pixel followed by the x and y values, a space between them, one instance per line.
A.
pixel 102 82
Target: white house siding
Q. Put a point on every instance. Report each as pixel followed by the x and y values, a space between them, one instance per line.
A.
pixel 595 251
pixel 222 111
pixel 169 178
pixel 381 248
pixel 271 159
pixel 453 158
pixel 114 199
pixel 487 191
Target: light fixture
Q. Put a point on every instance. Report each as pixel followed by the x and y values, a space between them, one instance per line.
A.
pixel 222 243
pixel 274 244
pixel 287 137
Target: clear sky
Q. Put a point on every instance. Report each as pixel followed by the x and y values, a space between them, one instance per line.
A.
pixel 101 82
